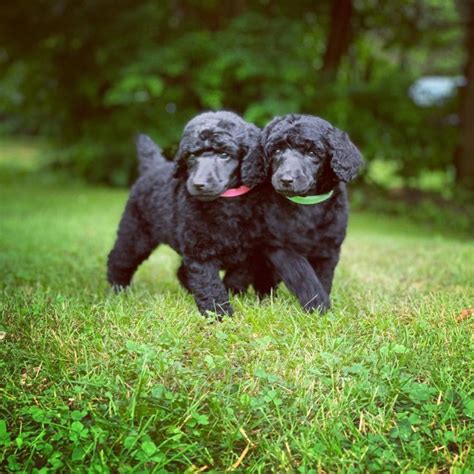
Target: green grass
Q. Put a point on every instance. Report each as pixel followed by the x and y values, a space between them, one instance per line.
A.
pixel 140 382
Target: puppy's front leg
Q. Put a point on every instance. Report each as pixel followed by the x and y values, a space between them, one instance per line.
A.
pixel 324 268
pixel 300 278
pixel 206 286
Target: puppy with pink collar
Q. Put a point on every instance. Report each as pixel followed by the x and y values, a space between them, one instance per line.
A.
pixel 203 206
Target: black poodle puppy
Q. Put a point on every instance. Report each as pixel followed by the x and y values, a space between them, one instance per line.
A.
pixel 202 206
pixel 309 161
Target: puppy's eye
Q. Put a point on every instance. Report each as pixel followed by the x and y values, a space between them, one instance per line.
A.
pixel 277 151
pixel 313 155
pixel 224 155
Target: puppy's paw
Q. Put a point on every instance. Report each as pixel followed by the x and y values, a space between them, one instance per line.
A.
pixel 319 304
pixel 224 309
pixel 236 289
pixel 118 288
pixel 236 283
pixel 219 311
pixel 266 292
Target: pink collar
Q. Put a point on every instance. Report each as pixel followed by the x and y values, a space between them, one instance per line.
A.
pixel 234 192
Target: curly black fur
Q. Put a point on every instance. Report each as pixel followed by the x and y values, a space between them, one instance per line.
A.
pixel 307 155
pixel 209 232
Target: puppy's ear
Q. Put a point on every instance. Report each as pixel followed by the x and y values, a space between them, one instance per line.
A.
pixel 253 168
pixel 181 168
pixel 346 159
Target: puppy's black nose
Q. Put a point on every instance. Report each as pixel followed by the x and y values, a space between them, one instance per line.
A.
pixel 199 186
pixel 286 180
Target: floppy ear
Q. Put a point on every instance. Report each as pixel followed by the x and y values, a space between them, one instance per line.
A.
pixel 346 159
pixel 253 167
pixel 181 169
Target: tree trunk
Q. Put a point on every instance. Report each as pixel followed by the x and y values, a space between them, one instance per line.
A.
pixel 339 36
pixel 464 161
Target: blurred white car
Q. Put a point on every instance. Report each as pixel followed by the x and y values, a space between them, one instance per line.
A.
pixel 434 90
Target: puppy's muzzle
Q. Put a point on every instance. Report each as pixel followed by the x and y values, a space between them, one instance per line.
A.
pixel 199 186
pixel 286 181
pixel 291 184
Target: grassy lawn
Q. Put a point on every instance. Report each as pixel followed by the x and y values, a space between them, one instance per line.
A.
pixel 140 382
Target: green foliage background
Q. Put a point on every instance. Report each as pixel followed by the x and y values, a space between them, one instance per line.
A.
pixel 91 74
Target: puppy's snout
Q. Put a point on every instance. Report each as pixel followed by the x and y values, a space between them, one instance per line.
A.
pixel 286 180
pixel 200 186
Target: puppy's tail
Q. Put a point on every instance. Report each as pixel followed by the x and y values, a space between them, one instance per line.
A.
pixel 149 155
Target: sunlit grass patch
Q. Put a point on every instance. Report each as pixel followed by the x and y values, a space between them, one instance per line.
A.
pixel 23 154
pixel 141 382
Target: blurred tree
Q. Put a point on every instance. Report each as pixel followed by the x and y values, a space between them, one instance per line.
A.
pixel 339 36
pixel 465 153
pixel 93 73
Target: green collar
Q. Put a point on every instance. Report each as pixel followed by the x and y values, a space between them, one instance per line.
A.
pixel 307 200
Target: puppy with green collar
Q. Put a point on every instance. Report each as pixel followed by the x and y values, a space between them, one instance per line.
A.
pixel 305 208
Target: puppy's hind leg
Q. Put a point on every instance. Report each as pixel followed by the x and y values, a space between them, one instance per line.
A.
pixel 132 246
pixel 237 280
pixel 182 275
pixel 257 271
pixel 265 278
